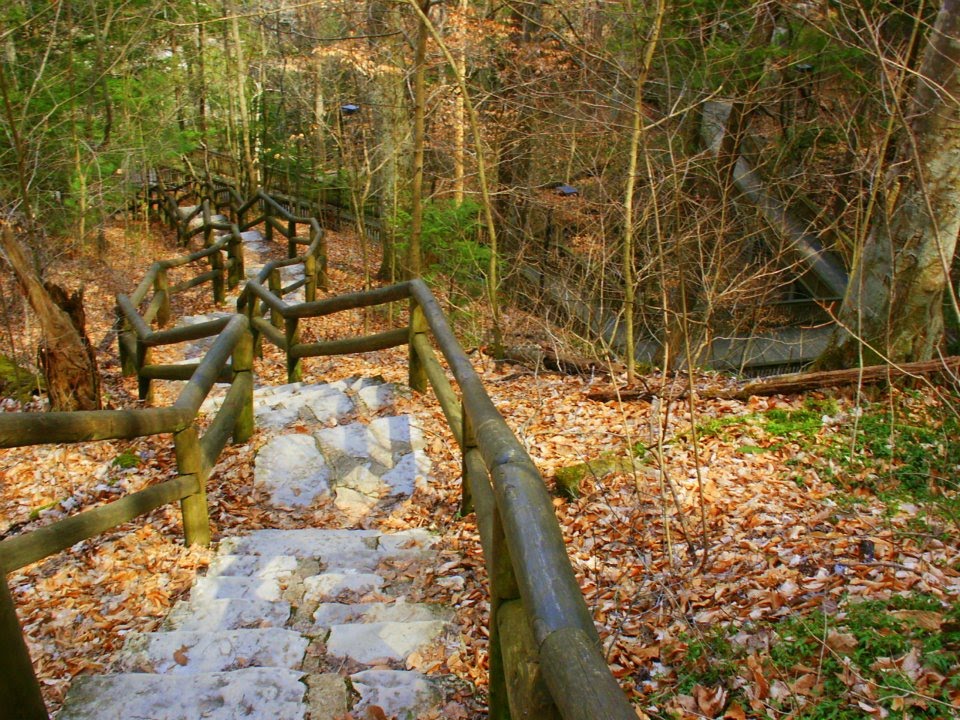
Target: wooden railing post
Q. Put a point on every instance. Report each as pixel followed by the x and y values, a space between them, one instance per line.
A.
pixel 161 286
pixel 196 521
pixel 417 375
pixel 275 287
pixel 235 271
pixel 267 225
pixel 469 443
pixel 126 345
pixel 243 363
pixel 219 285
pixel 19 687
pixel 144 387
pixel 291 328
pixel 503 589
pixel 292 239
pixel 310 273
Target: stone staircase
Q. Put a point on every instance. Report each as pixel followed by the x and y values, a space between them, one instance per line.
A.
pixel 309 623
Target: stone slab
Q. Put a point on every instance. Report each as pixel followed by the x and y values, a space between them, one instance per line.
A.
pixel 211 615
pixel 292 470
pixel 401 694
pixel 213 588
pixel 329 614
pixel 369 643
pixel 253 693
pixel 332 585
pixel 182 652
pixel 260 566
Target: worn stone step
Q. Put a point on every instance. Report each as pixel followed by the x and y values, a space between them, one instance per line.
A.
pixel 210 615
pixel 252 693
pixel 213 588
pixel 336 549
pixel 292 470
pixel 261 566
pixel 328 614
pixel 333 585
pixel 276 407
pixel 398 693
pixel 182 652
pixel 371 643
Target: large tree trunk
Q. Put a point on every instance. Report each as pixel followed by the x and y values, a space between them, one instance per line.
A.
pixel 893 305
pixel 66 355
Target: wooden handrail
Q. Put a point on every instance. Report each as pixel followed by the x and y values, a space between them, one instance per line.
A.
pixel 545 657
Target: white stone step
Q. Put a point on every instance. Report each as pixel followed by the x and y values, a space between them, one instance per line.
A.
pixel 398 693
pixel 215 588
pixel 182 652
pixel 252 693
pixel 291 469
pixel 371 643
pixel 210 615
pixel 329 614
pixel 260 566
pixel 336 549
pixel 332 585
pixel 276 407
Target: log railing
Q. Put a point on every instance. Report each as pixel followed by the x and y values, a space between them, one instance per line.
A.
pixel 196 455
pixel 545 658
pixel 545 653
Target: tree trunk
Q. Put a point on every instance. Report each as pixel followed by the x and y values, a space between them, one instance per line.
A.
pixel 419 101
pixel 893 310
pixel 67 357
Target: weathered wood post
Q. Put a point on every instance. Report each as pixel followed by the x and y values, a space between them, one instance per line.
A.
pixel 219 284
pixel 291 329
pixel 144 386
pixel 292 238
pixel 267 217
pixel 126 345
pixel 310 273
pixel 161 287
pixel 243 363
pixel 196 521
pixel 503 589
pixel 19 687
pixel 275 287
pixel 417 374
pixel 235 272
pixel 469 443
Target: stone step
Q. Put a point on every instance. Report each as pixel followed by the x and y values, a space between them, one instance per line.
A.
pixel 336 549
pixel 210 615
pixel 398 693
pixel 259 566
pixel 331 586
pixel 291 469
pixel 182 652
pixel 252 693
pixel 372 643
pixel 217 588
pixel 276 407
pixel 329 614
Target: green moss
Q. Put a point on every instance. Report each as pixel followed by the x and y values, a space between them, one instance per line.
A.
pixel 18 382
pixel 568 479
pixel 127 459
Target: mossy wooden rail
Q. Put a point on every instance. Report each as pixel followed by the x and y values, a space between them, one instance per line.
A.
pixel 545 658
pixel 195 454
pixel 545 653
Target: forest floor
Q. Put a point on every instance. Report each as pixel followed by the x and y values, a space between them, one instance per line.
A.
pixel 792 556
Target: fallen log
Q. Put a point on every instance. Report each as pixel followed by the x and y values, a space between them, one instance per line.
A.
pixel 800 382
pixel 792 382
pixel 537 357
